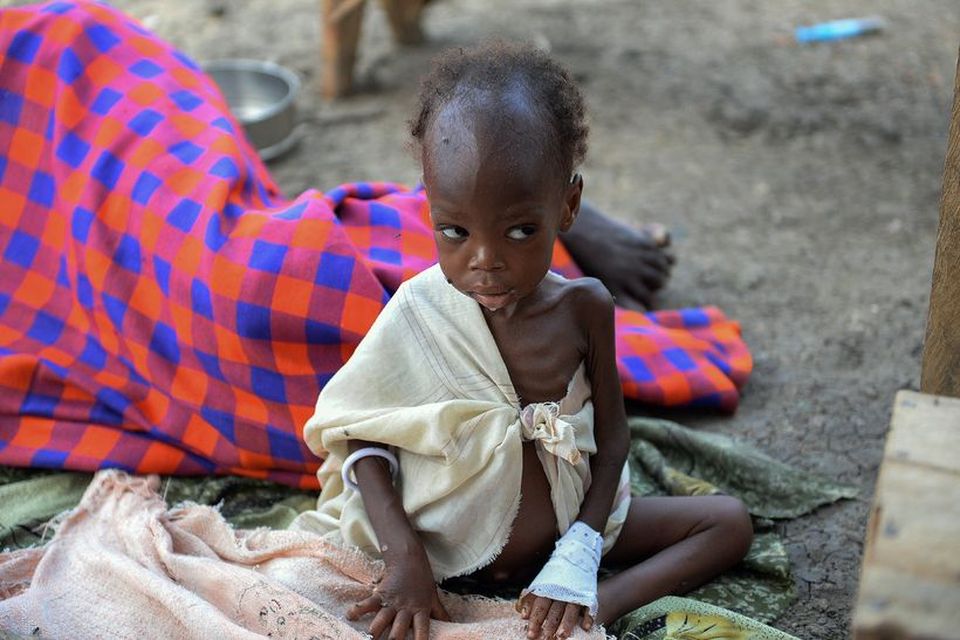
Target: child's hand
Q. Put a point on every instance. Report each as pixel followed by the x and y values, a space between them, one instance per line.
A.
pixel 553 618
pixel 406 598
pixel 570 573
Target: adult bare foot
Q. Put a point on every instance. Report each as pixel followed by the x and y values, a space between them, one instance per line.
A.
pixel 633 263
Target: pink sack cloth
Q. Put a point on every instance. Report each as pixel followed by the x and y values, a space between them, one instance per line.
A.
pixel 124 565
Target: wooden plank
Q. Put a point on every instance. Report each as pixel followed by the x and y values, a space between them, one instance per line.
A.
pixel 940 372
pixel 901 606
pixel 910 580
pixel 934 444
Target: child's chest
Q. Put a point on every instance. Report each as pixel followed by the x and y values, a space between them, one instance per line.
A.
pixel 542 352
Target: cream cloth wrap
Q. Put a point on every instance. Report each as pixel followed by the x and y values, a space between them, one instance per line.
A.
pixel 428 381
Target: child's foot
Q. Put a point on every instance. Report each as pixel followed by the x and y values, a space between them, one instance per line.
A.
pixel 633 262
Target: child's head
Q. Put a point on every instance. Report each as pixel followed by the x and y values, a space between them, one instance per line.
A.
pixel 501 129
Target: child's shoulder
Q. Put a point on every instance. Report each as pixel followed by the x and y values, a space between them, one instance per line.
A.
pixel 590 303
pixel 586 292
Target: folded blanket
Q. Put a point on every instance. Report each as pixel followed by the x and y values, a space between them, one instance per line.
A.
pixel 164 309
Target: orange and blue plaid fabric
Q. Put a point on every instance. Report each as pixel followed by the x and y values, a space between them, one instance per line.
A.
pixel 163 309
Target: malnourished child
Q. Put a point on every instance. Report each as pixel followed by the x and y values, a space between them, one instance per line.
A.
pixel 479 429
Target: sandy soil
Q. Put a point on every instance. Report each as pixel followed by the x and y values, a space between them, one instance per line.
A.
pixel 800 183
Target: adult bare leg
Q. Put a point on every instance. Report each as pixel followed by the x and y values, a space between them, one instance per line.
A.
pixel 633 262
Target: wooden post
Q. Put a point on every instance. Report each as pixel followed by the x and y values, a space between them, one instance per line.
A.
pixel 940 372
pixel 341 34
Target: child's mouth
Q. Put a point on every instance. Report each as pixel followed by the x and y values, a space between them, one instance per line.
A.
pixel 492 301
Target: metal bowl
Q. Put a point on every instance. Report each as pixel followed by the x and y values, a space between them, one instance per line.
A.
pixel 262 96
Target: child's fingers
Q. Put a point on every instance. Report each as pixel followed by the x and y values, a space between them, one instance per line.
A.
pixel 421 626
pixel 362 608
pixel 539 610
pixel 382 621
pixel 587 623
pixel 525 605
pixel 569 621
pixel 401 624
pixel 552 621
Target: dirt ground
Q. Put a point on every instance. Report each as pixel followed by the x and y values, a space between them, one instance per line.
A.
pixel 800 183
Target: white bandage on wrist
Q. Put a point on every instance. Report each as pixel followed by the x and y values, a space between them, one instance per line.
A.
pixel 365 452
pixel 570 574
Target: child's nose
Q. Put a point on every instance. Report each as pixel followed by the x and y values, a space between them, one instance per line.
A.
pixel 486 258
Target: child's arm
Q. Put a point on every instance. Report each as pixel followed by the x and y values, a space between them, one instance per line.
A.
pixel 406 597
pixel 596 314
pixel 610 419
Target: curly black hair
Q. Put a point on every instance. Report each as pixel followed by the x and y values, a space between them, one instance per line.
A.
pixel 499 67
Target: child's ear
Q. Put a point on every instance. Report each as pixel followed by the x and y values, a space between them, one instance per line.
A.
pixel 571 204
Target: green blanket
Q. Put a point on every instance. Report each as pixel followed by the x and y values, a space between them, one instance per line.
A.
pixel 666 459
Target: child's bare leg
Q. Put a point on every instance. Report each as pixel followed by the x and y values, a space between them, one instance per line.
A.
pixel 669 546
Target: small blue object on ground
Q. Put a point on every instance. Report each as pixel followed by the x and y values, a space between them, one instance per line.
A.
pixel 839 29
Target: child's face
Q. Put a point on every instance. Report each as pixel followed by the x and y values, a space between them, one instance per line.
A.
pixel 497 204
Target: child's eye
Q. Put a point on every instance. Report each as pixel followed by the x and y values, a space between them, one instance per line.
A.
pixel 522 232
pixel 454 232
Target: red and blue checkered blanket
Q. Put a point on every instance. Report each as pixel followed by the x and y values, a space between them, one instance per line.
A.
pixel 163 309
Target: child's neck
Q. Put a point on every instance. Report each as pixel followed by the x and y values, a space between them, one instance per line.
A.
pixel 502 314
